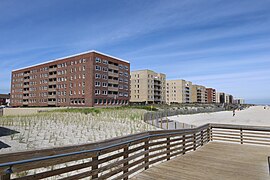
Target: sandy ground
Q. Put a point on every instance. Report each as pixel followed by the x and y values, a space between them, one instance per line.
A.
pixel 252 116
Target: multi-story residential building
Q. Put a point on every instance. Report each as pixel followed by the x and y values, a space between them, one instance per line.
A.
pixel 178 91
pixel 211 95
pixel 217 97
pixel 222 97
pixel 239 101
pixel 229 98
pixel 198 94
pixel 4 99
pixel 86 79
pixel 148 87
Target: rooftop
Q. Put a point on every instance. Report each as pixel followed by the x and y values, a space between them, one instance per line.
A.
pixel 74 55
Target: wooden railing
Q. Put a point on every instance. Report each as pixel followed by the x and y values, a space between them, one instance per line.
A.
pixel 257 135
pixel 119 158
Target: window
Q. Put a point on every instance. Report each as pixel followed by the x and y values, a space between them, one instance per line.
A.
pixel 97 91
pixel 105 62
pixel 104 92
pixel 98 76
pixel 104 76
pixel 98 68
pixel 105 69
pixel 100 101
pixel 104 84
pixel 97 83
pixel 96 101
pixel 126 68
pixel 98 60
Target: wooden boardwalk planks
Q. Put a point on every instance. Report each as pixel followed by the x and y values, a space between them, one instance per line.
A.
pixel 217 161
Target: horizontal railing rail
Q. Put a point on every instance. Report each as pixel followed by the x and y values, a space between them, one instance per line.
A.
pixel 121 157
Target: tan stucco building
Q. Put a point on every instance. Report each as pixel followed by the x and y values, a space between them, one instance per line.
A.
pixel 147 87
pixel 199 94
pixel 178 91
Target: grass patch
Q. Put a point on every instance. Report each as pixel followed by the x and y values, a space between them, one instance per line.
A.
pixel 79 110
pixel 99 110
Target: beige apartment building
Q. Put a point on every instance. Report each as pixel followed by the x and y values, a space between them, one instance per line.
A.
pixel 199 94
pixel 178 91
pixel 147 87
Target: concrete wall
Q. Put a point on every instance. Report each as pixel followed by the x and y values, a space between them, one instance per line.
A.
pixel 24 111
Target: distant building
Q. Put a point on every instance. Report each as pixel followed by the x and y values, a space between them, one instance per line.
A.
pixel 239 101
pixel 199 94
pixel 218 97
pixel 4 99
pixel 178 91
pixel 148 87
pixel 86 79
pixel 222 98
pixel 228 99
pixel 211 95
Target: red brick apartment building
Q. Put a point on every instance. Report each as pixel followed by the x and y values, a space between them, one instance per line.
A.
pixel 211 95
pixel 86 79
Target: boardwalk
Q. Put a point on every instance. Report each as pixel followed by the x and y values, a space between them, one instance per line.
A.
pixel 215 161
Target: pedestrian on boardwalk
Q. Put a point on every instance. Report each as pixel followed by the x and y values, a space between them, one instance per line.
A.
pixel 233 112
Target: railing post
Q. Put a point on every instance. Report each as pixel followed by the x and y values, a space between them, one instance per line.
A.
pixel 194 141
pixel 168 149
pixel 211 134
pixel 201 138
pixel 146 156
pixel 241 136
pixel 208 134
pixel 95 165
pixel 125 164
pixel 184 144
pixel 5 177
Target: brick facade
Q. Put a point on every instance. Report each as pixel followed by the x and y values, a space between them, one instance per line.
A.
pixel 87 79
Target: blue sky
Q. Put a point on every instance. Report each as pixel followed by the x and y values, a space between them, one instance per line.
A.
pixel 220 44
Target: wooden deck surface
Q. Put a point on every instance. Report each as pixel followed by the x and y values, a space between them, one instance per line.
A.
pixel 216 161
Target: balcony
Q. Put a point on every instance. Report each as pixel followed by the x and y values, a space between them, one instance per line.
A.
pixel 52 82
pixel 52 69
pixel 112 88
pixel 113 96
pixel 26 80
pixel 51 102
pixel 25 97
pixel 52 76
pixel 113 81
pixel 53 96
pixel 26 85
pixel 25 103
pixel 51 89
pixel 26 75
pixel 111 66
pixel 113 74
